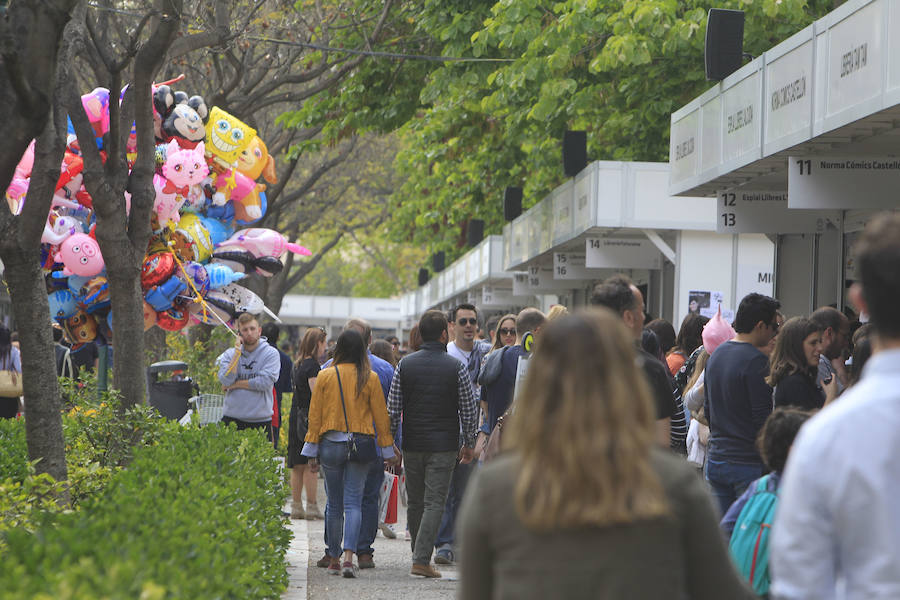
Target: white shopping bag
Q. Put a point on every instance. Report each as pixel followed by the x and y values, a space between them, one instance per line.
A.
pixel 386 512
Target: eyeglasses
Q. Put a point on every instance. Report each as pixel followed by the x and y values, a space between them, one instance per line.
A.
pixel 505 331
pixel 465 322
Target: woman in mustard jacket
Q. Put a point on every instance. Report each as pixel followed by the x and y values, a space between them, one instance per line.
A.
pixel 345 403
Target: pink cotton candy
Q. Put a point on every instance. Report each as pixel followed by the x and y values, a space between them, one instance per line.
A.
pixel 716 331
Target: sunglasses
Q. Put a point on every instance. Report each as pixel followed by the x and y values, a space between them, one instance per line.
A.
pixel 505 331
pixel 465 322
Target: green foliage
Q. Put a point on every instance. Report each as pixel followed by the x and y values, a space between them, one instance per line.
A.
pixel 14 457
pixel 198 515
pixel 101 437
pixel 200 356
pixel 616 69
pixel 24 503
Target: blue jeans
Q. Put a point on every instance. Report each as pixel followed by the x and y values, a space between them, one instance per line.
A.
pixel 729 480
pixel 344 482
pixel 371 494
pixel 458 483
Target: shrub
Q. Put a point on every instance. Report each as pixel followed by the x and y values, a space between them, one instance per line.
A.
pixel 14 454
pixel 101 436
pixel 198 515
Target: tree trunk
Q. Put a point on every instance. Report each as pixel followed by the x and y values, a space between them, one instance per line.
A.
pixel 43 421
pixel 155 344
pixel 126 301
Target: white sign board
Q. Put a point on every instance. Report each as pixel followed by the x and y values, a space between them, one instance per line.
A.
pixel 839 183
pixel 789 89
pixel 621 253
pixel 754 278
pixel 741 118
pixel 494 296
pixel 541 278
pixel 855 58
pixel 520 284
pixel 571 265
pixel 749 211
pixel 684 147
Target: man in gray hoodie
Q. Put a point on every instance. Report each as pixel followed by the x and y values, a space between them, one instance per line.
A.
pixel 248 373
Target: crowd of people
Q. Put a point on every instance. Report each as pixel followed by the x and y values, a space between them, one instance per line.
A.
pixel 596 454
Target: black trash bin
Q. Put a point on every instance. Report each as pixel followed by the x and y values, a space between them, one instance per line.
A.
pixel 169 388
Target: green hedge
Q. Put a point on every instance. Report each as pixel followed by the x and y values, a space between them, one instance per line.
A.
pixel 13 451
pixel 197 515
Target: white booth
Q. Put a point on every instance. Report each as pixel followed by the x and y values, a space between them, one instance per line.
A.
pixel 477 277
pixel 801 144
pixel 618 217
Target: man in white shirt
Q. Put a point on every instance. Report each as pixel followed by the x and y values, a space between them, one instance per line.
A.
pixel 470 352
pixel 837 530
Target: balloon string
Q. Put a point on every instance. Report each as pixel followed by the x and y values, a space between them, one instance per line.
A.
pixel 199 297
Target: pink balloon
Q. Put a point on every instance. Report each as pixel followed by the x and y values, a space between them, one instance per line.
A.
pixel 81 256
pixel 263 242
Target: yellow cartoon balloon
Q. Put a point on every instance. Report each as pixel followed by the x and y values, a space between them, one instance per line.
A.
pixel 226 136
pixel 191 239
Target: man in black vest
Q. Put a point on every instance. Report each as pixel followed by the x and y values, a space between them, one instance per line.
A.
pixel 432 394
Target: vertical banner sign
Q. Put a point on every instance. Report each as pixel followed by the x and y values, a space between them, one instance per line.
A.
pixel 748 211
pixel 621 253
pixel 841 183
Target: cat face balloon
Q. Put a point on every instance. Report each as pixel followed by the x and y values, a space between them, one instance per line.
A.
pixel 182 170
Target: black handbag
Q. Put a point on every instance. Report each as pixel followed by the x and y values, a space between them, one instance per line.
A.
pixel 491 368
pixel 360 447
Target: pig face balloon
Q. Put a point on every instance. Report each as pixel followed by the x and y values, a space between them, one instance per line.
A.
pixel 81 256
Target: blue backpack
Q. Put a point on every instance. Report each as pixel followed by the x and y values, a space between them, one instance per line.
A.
pixel 749 545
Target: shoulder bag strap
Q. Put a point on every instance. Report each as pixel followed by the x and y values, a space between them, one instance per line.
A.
pixel 341 389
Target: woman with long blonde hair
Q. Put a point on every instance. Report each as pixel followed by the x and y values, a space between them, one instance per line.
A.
pixel 597 510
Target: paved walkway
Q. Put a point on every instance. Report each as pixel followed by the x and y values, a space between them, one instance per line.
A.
pixel 389 580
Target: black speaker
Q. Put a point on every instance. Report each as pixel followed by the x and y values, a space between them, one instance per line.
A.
pixel 423 276
pixel 437 261
pixel 574 152
pixel 475 232
pixel 512 203
pixel 724 51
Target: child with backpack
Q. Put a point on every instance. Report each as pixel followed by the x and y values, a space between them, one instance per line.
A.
pixel 748 522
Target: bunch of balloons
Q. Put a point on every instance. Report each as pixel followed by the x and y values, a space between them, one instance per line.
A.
pixel 208 164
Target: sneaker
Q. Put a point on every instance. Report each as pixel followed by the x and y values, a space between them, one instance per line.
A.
pixel 424 571
pixel 312 511
pixel 334 566
pixel 323 562
pixel 444 557
pixel 406 536
pixel 349 570
pixel 366 561
pixel 387 531
pixel 297 511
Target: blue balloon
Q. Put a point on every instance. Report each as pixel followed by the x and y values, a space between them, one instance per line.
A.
pixel 221 275
pixel 218 230
pixel 63 304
